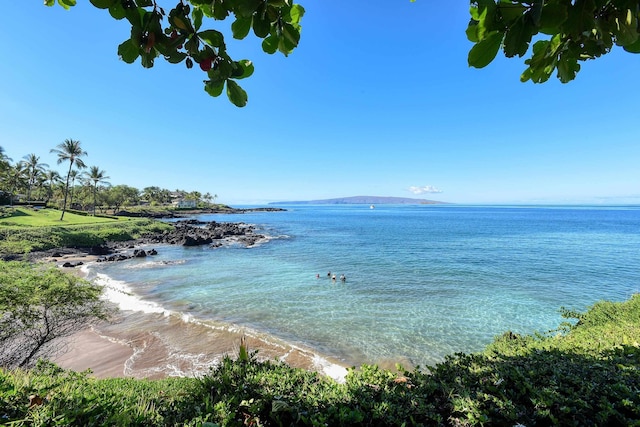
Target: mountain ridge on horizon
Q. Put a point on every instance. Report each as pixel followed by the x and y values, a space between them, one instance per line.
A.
pixel 363 200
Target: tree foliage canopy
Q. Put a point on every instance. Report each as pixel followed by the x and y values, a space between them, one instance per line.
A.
pixel 563 33
pixel 178 35
pixel 566 32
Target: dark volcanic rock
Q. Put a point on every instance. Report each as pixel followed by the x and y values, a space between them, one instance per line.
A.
pixel 72 264
pixel 99 250
pixel 139 253
pixel 193 232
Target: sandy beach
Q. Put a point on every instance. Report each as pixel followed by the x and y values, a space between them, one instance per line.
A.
pixel 88 350
pixel 157 345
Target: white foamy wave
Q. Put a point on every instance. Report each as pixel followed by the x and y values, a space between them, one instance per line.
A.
pixel 84 269
pixel 332 370
pixel 154 264
pixel 120 294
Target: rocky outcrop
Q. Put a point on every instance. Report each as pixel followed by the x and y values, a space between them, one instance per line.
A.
pixel 197 233
pixel 187 233
pixel 70 264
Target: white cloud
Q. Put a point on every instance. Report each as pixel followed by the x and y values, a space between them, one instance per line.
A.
pixel 425 189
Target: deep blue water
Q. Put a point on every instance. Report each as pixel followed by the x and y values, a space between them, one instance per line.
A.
pixel 422 281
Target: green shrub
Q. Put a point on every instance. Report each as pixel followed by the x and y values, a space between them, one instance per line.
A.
pixel 560 378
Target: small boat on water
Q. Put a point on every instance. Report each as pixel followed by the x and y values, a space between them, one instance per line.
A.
pixel 372 207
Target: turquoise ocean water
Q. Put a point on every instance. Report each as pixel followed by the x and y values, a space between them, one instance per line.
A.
pixel 422 281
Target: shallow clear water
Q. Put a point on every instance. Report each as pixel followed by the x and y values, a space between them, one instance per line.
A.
pixel 422 281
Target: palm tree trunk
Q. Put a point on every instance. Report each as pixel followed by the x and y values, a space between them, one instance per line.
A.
pixel 66 191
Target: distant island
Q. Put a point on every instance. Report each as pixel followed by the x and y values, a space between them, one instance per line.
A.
pixel 363 200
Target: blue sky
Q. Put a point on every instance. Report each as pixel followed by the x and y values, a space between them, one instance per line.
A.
pixel 378 99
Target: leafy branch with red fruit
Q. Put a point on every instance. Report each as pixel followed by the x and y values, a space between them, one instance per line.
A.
pixel 178 36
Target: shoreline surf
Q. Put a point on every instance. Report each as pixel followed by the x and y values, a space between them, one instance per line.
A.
pixel 445 280
pixel 164 342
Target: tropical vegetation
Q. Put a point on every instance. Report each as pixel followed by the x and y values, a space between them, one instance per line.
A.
pixel 23 231
pixel 31 182
pixel 71 151
pixel 564 34
pixel 39 305
pixel 585 373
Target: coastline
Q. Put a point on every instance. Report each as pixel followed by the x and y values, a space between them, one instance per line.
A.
pixel 146 341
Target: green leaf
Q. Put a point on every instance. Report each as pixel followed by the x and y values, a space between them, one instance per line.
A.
pixel 128 51
pixel 103 4
pixel 481 27
pixel 212 38
pixel 291 34
pixel 536 11
pixel 485 17
pixel 192 45
pixel 241 27
pixel 219 9
pixel 511 11
pixel 553 16
pixel 197 16
pixel 175 57
pixel 214 88
pixel 244 69
pixel 146 59
pixel 568 67
pixel 138 17
pixel 580 18
pixel 297 12
pixel 270 44
pixel 626 29
pixel 472 31
pixel 117 11
pixel 483 52
pixel 542 62
pixel 261 26
pixel 236 94
pixel 633 48
pixel 517 39
pixel 67 4
pixel 245 8
pixel 49 3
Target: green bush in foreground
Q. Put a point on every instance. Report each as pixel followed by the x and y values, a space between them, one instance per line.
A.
pixel 39 305
pixel 560 379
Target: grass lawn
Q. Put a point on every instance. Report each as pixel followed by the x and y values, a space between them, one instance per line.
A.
pixel 25 230
pixel 48 218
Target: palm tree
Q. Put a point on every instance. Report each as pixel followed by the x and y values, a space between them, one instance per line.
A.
pixel 71 151
pixel 4 160
pixel 34 168
pixel 98 177
pixel 73 175
pixel 16 178
pixel 5 166
pixel 51 178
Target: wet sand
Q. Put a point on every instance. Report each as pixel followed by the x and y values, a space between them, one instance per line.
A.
pixel 154 346
pixel 157 345
pixel 88 350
